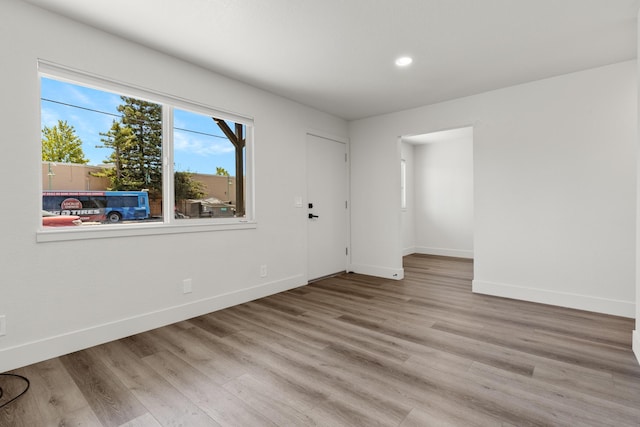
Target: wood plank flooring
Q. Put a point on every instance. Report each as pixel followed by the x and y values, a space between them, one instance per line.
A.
pixel 352 350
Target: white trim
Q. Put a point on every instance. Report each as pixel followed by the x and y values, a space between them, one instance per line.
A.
pixel 372 270
pixel 403 184
pixel 37 351
pixel 168 173
pixel 249 175
pixel 327 135
pixel 636 344
pixel 84 78
pixel 105 231
pixel 562 299
pixel 408 251
pixel 458 253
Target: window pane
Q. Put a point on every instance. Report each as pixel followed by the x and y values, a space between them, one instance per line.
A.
pixel 101 155
pixel 209 163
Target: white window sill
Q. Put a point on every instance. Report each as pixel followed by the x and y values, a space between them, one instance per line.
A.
pixel 108 231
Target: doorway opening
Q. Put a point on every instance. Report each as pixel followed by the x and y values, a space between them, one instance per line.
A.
pixel 437 208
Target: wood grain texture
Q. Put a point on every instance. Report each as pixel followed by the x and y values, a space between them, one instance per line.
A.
pixel 352 350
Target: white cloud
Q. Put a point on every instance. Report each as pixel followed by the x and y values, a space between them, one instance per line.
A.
pixel 48 117
pixel 201 146
pixel 78 96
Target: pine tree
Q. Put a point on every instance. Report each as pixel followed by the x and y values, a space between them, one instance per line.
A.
pixel 121 140
pixel 61 144
pixel 142 159
pixel 136 141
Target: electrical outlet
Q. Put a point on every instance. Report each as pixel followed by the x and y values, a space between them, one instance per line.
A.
pixel 263 271
pixel 3 325
pixel 187 286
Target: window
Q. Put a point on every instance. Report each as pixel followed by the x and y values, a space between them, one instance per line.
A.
pixel 209 157
pixel 110 150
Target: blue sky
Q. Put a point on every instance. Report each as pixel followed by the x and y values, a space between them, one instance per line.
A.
pixel 194 152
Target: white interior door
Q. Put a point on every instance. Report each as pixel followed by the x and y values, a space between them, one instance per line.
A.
pixel 327 206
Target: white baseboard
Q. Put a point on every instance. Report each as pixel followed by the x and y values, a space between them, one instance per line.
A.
pixel 372 270
pixel 562 299
pixel 37 351
pixel 408 251
pixel 636 342
pixel 458 253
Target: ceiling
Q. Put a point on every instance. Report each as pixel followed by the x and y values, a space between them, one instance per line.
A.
pixel 440 136
pixel 338 55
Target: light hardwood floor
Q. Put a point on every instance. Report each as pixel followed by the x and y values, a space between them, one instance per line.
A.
pixel 352 350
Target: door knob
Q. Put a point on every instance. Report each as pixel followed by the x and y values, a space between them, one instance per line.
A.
pixel 311 216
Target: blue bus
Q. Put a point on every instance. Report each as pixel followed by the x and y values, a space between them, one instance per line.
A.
pixel 103 206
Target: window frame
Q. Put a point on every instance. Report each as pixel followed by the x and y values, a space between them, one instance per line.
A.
pixel 169 224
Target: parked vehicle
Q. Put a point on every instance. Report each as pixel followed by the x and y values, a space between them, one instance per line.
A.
pixel 50 219
pixel 103 206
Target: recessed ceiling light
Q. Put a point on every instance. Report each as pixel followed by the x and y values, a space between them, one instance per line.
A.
pixel 403 61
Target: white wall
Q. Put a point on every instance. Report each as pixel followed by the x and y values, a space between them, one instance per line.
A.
pixel 554 187
pixel 407 215
pixel 444 198
pixel 62 296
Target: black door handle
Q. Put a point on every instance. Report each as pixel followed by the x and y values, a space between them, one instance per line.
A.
pixel 311 216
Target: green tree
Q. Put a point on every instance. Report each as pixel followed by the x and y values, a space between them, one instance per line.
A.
pixel 221 171
pixel 61 144
pixel 143 158
pixel 186 187
pixel 121 140
pixel 136 141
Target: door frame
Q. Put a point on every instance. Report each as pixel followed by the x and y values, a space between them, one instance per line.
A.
pixel 347 185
